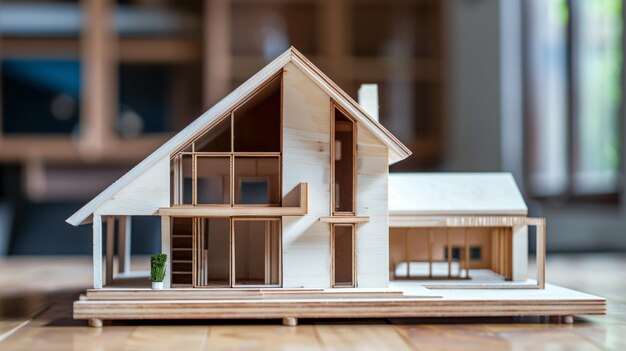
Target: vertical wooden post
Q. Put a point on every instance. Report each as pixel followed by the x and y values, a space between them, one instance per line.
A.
pixel 166 249
pixel 541 253
pixel 110 249
pixel 98 51
pixel 268 253
pixel 406 254
pixel 195 252
pixel 121 241
pixel 216 50
pixel 97 251
pixel 467 252
pixel 123 244
pixel 449 250
pixel 128 225
pixel 430 253
pixel 231 247
pixel 520 253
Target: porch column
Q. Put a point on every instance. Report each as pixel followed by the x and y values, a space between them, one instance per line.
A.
pixel 123 244
pixel 165 248
pixel 520 253
pixel 109 249
pixel 97 251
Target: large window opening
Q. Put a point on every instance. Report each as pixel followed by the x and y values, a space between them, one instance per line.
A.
pixel 344 155
pixel 226 252
pixel 237 160
pixel 343 255
pixel 256 124
pixel 256 252
pixel 212 251
pixel 257 180
pixel 450 253
pixel 212 180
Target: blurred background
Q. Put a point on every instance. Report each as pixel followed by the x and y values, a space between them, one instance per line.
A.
pixel 534 87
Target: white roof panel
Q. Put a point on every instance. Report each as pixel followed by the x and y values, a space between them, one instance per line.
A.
pixel 433 194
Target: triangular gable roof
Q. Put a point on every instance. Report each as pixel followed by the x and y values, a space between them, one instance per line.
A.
pixel 397 150
pixel 454 194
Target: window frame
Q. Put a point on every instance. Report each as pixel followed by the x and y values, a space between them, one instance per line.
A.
pixel 177 178
pixel 333 263
pixel 233 271
pixel 333 108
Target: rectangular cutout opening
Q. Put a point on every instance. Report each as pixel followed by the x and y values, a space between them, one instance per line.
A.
pixel 343 255
pixel 257 180
pixel 213 180
pixel 213 252
pixel 256 252
pixel 449 253
pixel 256 123
pixel 343 151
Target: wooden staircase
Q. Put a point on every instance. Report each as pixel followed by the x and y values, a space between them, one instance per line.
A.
pixel 182 252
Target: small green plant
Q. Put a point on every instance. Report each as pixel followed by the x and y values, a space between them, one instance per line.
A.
pixel 157 267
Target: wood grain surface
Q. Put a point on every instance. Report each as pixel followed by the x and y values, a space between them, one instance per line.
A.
pixel 36 296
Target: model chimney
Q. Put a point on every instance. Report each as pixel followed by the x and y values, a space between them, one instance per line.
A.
pixel 368 99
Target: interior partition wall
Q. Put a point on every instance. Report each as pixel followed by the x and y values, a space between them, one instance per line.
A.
pixel 225 252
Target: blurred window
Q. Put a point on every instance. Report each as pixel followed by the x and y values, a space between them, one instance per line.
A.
pixel 575 96
pixel 40 96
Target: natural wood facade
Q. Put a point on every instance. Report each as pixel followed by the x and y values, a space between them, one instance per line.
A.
pixel 318 165
pixel 301 104
pixel 313 220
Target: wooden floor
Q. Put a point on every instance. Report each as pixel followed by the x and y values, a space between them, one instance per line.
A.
pixel 36 296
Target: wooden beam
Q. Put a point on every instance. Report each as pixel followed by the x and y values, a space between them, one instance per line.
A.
pixel 405 221
pixel 344 219
pixel 467 252
pixel 98 77
pixel 227 211
pixel 159 50
pixel 97 251
pixel 110 248
pixel 242 210
pixel 123 244
pixel 541 253
pixel 449 252
pixel 430 253
pixel 166 249
pixel 407 253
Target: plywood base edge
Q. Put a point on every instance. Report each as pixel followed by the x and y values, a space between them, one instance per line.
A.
pixel 553 301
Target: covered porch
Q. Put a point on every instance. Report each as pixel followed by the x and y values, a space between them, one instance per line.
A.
pixel 113 265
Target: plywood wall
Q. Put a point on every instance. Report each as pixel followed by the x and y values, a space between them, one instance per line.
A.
pixel 144 195
pixel 372 238
pixel 306 158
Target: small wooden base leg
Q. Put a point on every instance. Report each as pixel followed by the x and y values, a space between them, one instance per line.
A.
pixel 568 319
pixel 290 321
pixel 95 322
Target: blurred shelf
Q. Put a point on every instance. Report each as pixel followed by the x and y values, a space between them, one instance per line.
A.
pixel 191 54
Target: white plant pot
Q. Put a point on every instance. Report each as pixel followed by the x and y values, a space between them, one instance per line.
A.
pixel 157 285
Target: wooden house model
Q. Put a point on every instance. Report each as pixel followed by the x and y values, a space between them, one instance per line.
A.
pixel 278 203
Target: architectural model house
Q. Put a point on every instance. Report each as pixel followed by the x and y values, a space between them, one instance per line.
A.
pixel 278 203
